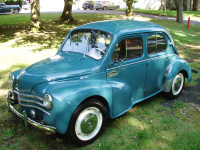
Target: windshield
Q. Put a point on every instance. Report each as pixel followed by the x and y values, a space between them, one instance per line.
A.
pixel 92 43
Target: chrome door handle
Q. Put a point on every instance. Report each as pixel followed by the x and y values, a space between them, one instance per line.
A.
pixel 113 73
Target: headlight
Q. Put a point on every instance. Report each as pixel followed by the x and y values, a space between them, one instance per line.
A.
pixel 11 79
pixel 47 101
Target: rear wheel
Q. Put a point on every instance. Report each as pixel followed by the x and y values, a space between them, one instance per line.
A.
pixel 177 86
pixel 87 123
pixel 91 8
pixel 84 8
pixel 117 7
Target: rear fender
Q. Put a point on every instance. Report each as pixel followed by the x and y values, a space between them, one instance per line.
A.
pixel 177 65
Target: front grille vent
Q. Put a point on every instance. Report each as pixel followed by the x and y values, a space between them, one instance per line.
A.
pixel 31 101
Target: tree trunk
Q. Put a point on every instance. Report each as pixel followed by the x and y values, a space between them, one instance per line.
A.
pixel 179 9
pixel 35 16
pixel 187 5
pixel 196 5
pixel 67 11
pixel 129 11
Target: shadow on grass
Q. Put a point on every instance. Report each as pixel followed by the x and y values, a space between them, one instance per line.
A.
pixel 52 37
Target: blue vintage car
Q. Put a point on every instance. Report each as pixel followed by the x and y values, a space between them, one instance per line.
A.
pixel 100 70
pixel 5 9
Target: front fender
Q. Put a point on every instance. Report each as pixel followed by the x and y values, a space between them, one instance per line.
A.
pixel 68 94
pixel 178 64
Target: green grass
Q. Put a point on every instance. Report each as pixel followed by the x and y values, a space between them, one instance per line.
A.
pixel 148 125
pixel 171 13
pixel 178 104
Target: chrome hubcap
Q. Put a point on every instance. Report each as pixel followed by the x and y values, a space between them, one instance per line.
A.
pixel 177 84
pixel 89 123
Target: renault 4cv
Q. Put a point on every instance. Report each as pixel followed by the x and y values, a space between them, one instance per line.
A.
pixel 100 70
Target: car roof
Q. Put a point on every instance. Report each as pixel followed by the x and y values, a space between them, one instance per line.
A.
pixel 119 27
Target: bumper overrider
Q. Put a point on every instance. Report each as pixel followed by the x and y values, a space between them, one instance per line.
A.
pixel 26 120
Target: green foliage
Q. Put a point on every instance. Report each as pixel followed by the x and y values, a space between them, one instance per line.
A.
pixel 130 1
pixel 71 3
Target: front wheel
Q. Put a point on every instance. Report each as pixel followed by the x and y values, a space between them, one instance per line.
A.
pixel 87 123
pixel 104 8
pixel 177 86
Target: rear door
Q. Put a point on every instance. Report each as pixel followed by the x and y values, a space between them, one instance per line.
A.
pixel 158 60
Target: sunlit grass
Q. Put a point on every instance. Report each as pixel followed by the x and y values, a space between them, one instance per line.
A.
pixel 148 125
pixel 193 14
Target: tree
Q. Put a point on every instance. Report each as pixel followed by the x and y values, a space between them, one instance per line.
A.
pixel 162 5
pixel 129 4
pixel 67 11
pixel 35 16
pixel 195 5
pixel 187 5
pixel 179 9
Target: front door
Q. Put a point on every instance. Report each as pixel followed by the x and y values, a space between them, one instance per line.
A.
pixel 127 74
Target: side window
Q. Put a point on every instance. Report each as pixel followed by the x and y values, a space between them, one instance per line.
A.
pixel 128 49
pixel 156 44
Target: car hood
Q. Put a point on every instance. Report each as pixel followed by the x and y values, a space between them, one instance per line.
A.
pixel 54 68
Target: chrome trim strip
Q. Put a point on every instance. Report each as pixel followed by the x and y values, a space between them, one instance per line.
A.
pixel 141 61
pixel 32 122
pixel 28 95
pixel 127 64
pixel 30 101
pixel 30 106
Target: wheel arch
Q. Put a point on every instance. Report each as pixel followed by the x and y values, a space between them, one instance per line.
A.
pixel 100 99
pixel 174 68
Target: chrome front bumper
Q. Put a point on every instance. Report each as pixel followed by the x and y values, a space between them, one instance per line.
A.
pixel 25 118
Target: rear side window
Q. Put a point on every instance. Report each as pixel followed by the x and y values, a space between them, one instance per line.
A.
pixel 156 44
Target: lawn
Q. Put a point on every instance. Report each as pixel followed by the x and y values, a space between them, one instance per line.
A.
pixel 152 124
pixel 171 13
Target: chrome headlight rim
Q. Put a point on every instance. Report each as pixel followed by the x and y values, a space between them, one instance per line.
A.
pixel 48 101
pixel 11 79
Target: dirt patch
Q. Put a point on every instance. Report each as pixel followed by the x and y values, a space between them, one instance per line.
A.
pixel 190 110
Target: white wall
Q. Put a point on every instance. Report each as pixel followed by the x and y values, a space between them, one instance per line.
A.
pixel 141 4
pixel 147 4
